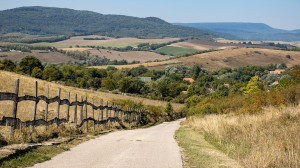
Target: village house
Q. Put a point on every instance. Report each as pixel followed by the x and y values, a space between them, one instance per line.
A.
pixel 277 72
pixel 191 80
pixel 145 79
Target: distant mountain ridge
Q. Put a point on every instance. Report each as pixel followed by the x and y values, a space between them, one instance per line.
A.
pixel 247 31
pixel 59 21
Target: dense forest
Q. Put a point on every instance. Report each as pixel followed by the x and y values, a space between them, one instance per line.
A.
pixel 60 21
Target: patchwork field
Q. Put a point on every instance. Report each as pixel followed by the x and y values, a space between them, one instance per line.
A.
pixel 150 65
pixel 130 56
pixel 233 58
pixel 44 56
pixel 202 45
pixel 109 42
pixel 174 51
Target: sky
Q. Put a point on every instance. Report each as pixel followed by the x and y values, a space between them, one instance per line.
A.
pixel 282 14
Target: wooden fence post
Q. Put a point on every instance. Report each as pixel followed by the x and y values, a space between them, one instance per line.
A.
pixel 68 106
pixel 35 106
pixel 86 123
pixel 101 110
pixel 81 111
pixel 15 109
pixel 58 106
pixel 93 114
pixel 46 109
pixel 75 111
pixel 106 116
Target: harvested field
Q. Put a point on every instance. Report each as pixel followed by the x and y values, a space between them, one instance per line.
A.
pixel 150 65
pixel 242 57
pixel 44 56
pixel 76 49
pixel 130 56
pixel 202 45
pixel 233 58
pixel 112 42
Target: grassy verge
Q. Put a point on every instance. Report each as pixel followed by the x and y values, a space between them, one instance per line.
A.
pixel 44 153
pixel 198 152
pixel 268 139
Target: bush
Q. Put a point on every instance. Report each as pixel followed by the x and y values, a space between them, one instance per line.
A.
pixel 28 63
pixel 37 73
pixel 51 73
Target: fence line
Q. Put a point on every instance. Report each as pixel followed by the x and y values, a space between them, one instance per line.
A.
pixel 130 115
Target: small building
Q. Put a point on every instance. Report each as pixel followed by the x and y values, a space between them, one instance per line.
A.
pixel 145 79
pixel 275 83
pixel 277 72
pixel 227 85
pixel 191 80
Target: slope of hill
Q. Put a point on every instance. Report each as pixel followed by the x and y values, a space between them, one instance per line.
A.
pixel 232 58
pixel 247 31
pixel 57 21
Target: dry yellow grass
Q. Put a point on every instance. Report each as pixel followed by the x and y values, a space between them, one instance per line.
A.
pixel 76 49
pixel 25 108
pixel 235 58
pixel 269 139
pixel 149 65
pixel 130 56
pixel 202 45
pixel 79 40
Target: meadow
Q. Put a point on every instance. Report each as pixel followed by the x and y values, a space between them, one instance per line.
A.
pixel 174 51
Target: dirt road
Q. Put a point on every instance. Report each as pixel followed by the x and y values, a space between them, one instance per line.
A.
pixel 153 147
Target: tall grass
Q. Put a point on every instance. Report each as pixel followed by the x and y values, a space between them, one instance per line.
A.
pixel 268 139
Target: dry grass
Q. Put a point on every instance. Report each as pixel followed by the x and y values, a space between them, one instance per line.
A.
pixel 25 108
pixel 237 58
pixel 123 42
pixel 76 49
pixel 149 65
pixel 44 56
pixel 130 56
pixel 202 45
pixel 269 139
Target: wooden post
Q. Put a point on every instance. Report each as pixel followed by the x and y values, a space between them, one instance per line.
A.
pixel 106 116
pixel 46 109
pixel 35 106
pixel 86 123
pixel 101 111
pixel 68 106
pixel 75 111
pixel 81 111
pixel 93 114
pixel 15 109
pixel 58 106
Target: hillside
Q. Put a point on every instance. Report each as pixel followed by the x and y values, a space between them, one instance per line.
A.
pixel 60 21
pixel 232 58
pixel 247 31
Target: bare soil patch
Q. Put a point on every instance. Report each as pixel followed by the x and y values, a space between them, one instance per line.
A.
pixel 44 56
pixel 130 56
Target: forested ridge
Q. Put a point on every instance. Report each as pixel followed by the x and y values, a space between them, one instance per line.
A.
pixel 61 21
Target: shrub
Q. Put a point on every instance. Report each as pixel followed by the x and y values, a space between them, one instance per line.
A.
pixel 37 73
pixel 51 73
pixel 28 63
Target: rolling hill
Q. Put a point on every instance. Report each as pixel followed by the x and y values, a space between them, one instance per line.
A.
pixel 61 21
pixel 247 31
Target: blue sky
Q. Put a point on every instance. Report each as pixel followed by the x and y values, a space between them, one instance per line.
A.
pixel 282 14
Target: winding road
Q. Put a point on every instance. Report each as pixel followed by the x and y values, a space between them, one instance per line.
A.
pixel 153 147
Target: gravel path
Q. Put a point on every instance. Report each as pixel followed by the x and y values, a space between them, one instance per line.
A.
pixel 153 147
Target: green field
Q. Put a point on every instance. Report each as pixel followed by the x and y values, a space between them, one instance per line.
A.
pixel 174 51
